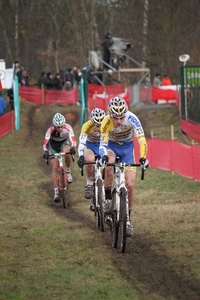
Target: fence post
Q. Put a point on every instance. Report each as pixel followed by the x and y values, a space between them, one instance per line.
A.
pixel 42 93
pixel 172 139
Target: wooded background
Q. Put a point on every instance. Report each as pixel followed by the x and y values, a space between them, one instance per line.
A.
pixel 51 34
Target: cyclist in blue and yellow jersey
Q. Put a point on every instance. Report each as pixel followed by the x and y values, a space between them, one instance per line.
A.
pixel 89 140
pixel 118 130
pixel 59 137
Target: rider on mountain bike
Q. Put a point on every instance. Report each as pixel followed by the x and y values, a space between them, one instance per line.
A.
pixel 59 137
pixel 89 140
pixel 118 130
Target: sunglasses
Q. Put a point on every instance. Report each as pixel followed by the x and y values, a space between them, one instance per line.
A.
pixel 59 127
pixel 118 118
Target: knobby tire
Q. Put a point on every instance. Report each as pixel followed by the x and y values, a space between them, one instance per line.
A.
pixel 97 221
pixel 114 227
pixel 63 189
pixel 122 221
pixel 100 205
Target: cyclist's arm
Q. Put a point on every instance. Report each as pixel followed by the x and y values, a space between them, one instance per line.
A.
pixel 47 137
pixel 143 146
pixel 106 126
pixel 82 143
pixel 72 138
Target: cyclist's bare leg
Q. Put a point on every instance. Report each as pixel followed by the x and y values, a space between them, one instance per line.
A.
pixel 68 158
pixel 89 157
pixel 109 170
pixel 88 193
pixel 54 164
pixel 130 176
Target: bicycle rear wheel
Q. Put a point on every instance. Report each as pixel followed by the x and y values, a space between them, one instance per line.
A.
pixel 122 221
pixel 100 212
pixel 63 188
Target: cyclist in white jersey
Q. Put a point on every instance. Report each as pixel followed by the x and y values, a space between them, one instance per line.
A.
pixel 59 137
pixel 118 130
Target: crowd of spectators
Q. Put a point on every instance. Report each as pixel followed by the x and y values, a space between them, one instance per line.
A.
pixel 66 79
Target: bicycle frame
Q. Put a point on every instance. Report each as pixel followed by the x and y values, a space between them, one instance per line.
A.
pixel 99 193
pixel 119 183
pixel 62 178
pixel 120 215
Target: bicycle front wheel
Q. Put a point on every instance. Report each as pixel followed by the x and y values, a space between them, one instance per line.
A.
pixel 122 221
pixel 63 188
pixel 114 228
pixel 100 212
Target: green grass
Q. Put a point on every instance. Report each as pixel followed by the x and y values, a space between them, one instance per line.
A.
pixel 47 252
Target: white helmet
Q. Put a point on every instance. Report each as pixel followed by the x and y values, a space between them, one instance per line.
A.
pixel 58 120
pixel 117 107
pixel 97 115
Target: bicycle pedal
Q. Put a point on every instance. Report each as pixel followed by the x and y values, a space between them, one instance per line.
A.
pixel 108 220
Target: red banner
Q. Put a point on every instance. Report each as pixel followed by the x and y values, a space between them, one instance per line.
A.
pixel 163 94
pixel 40 96
pixel 193 130
pixel 7 122
pixel 165 155
pixel 99 96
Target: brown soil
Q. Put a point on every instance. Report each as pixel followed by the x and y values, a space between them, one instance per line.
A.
pixel 140 263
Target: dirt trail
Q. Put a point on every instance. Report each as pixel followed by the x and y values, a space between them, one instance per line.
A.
pixel 141 263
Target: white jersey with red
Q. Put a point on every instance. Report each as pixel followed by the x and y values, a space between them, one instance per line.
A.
pixel 66 134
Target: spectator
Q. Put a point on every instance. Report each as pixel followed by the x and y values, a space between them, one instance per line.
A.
pixel 64 73
pixel 109 78
pixel 166 80
pixel 11 98
pixel 25 78
pixel 106 43
pixel 68 86
pixel 50 83
pixel 17 71
pixel 157 80
pixel 58 82
pixel 92 78
pixel 74 76
pixel 2 105
pixel 42 80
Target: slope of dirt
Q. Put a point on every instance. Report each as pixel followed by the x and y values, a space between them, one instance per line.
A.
pixel 141 263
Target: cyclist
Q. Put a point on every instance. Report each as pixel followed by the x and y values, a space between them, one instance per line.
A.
pixel 89 140
pixel 118 130
pixel 59 137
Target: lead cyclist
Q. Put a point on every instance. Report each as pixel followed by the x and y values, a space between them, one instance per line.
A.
pixel 118 130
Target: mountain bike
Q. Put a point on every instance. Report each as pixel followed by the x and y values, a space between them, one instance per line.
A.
pixel 98 193
pixel 62 178
pixel 120 211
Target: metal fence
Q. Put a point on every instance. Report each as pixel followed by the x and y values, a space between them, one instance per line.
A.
pixel 190 93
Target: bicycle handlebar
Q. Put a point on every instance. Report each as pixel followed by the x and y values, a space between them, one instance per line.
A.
pixel 113 165
pixel 89 163
pixel 124 165
pixel 57 155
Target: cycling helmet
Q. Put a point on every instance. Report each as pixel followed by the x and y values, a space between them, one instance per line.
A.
pixel 97 115
pixel 117 107
pixel 58 120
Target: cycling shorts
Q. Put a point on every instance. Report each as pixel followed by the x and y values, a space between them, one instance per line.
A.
pixel 56 147
pixel 94 147
pixel 125 151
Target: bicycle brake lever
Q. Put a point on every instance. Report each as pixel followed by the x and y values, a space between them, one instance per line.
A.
pixel 143 170
pixel 81 171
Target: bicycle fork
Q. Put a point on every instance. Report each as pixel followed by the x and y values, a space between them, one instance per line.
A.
pixel 122 185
